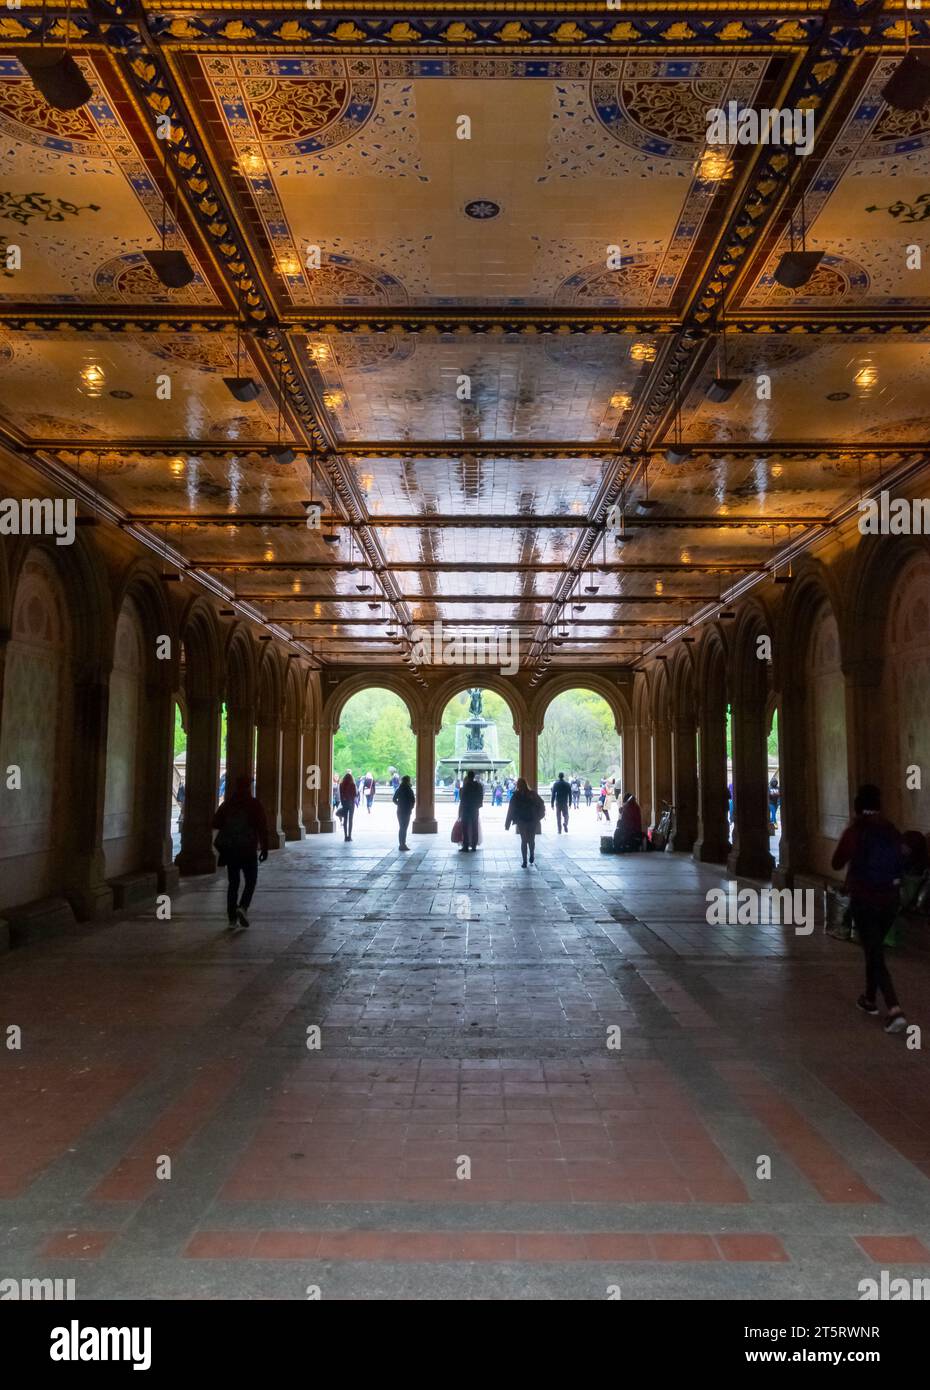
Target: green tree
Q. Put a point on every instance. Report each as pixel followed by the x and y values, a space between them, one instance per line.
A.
pixel 374 734
pixel 579 736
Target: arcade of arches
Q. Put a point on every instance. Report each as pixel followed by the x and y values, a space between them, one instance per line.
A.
pixel 97 652
pixel 337 338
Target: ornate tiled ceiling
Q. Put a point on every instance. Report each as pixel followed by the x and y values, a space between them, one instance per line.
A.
pixel 432 321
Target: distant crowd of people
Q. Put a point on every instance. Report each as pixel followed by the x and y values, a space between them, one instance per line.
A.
pixel 887 872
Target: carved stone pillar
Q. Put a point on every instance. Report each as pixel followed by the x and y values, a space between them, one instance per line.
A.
pixel 87 890
pixel 684 783
pixel 291 781
pixel 201 779
pixel 268 788
pixel 424 822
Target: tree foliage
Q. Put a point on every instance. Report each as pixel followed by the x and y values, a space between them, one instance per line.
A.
pixel 374 735
pixel 579 736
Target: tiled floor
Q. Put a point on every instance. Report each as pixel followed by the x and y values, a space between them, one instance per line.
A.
pixel 535 1083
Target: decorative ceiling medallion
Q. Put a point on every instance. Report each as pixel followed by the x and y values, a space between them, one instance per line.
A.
pixel 482 209
pixel 130 278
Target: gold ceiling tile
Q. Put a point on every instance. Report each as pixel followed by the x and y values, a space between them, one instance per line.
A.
pixel 790 31
pixel 182 29
pixel 235 29
pixel 291 30
pixel 347 32
pixel 402 32
pixel 622 31
pixel 568 32
pixel 732 33
pixel 680 30
pixel 513 32
pixel 458 32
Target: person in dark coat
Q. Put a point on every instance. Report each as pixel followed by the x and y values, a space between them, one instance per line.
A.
pixel 471 800
pixel 561 797
pixel 629 832
pixel 525 811
pixel 242 844
pixel 404 800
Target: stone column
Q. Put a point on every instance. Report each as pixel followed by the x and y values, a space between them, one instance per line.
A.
pixel 713 843
pixel 661 756
pixel 750 856
pixel 424 821
pixel 240 744
pixel 268 780
pixel 529 753
pixel 291 781
pixel 325 794
pixel 311 796
pixel 793 856
pixel 87 890
pixel 201 781
pixel 628 760
pixel 684 783
pixel 642 785
pixel 157 777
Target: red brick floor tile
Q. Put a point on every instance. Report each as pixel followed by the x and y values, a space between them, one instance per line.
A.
pixel 752 1248
pixel 221 1245
pixel 894 1249
pixel 682 1247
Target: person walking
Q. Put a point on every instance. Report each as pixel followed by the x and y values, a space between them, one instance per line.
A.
pixel 242 844
pixel 602 807
pixel 525 812
pixel 576 792
pixel 561 795
pixel 404 800
pixel 370 788
pixel 870 851
pixel 471 799
pixel 588 793
pixel 348 800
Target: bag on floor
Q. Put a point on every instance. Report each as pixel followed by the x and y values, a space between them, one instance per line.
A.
pixel 457 832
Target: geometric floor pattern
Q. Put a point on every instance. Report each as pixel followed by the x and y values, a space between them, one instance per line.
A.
pixel 548 1083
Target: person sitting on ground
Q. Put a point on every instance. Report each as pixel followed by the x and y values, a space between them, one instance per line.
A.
pixel 914 885
pixel 871 848
pixel 471 798
pixel 525 812
pixel 242 844
pixel 404 800
pixel 628 835
pixel 348 800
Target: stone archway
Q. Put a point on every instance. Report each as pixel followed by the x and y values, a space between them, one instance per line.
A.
pixel 815 780
pixel 203 682
pixel 750 680
pixel 713 842
pixel 37 725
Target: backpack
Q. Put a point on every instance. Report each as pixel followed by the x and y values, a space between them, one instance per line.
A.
pixel 877 861
pixel 236 836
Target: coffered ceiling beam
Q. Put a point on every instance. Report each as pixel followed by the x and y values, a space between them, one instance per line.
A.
pixel 496 522
pixel 513 600
pixel 477 567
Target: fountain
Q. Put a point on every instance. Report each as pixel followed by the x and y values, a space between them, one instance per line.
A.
pixel 475 744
